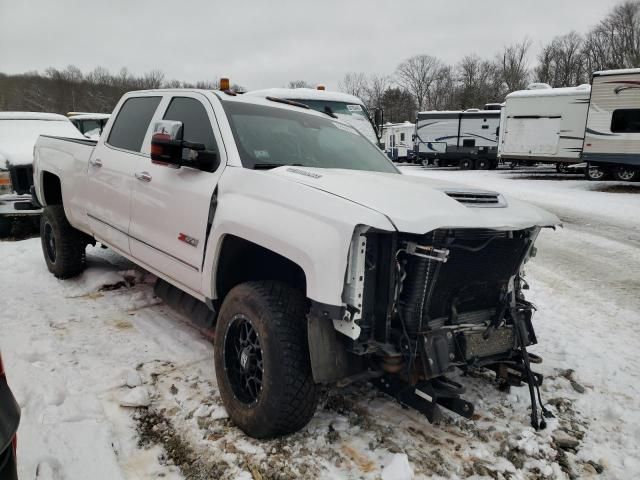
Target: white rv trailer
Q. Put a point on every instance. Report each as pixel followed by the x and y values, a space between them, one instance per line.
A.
pixel 467 138
pixel 544 124
pixel 397 140
pixel 348 108
pixel 612 138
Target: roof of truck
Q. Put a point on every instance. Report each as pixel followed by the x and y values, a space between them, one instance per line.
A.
pixel 552 92
pixel 33 116
pixel 622 71
pixel 305 94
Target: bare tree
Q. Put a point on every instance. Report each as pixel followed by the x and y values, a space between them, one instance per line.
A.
pixel 299 84
pixel 354 84
pixel 417 75
pixel 152 79
pixel 442 94
pixel 399 105
pixel 561 62
pixel 377 85
pixel 478 82
pixel 514 71
pixel 615 41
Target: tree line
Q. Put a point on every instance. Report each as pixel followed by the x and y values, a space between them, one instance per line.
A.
pixel 422 82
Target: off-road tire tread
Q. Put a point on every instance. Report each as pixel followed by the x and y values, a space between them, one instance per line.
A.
pixel 297 398
pixel 71 244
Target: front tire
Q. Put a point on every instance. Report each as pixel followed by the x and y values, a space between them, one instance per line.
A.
pixel 62 245
pixel 262 359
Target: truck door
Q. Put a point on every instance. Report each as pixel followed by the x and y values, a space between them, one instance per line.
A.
pixel 170 207
pixel 110 171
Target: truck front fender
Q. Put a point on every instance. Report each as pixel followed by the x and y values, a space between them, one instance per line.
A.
pixel 311 228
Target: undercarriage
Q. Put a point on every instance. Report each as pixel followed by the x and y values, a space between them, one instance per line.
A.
pixel 427 305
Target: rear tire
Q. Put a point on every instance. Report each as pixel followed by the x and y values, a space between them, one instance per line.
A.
pixel 262 359
pixel 625 174
pixel 62 245
pixel 466 164
pixel 595 173
pixel 482 164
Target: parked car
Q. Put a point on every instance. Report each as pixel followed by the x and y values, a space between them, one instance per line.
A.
pixel 9 420
pixel 302 244
pixel 18 134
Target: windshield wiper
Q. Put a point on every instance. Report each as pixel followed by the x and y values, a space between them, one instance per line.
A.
pixel 268 166
pixel 288 102
pixel 327 110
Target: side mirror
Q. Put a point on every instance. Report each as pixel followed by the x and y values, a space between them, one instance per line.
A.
pixel 166 143
pixel 168 148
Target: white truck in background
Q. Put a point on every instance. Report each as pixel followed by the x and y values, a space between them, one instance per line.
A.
pixel 345 107
pixel 544 125
pixel 18 134
pixel 90 125
pixel 300 242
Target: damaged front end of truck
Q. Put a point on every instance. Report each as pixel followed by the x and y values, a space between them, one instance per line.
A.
pixel 419 307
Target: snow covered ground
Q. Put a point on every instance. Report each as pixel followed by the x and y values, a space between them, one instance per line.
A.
pixel 76 351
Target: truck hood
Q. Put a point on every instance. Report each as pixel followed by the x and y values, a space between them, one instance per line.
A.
pixel 418 204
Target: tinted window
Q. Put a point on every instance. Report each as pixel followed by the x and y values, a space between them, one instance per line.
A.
pixel 402 137
pixel 132 123
pixel 196 126
pixel 626 121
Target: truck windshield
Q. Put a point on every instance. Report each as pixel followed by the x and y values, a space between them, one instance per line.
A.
pixel 268 137
pixel 352 113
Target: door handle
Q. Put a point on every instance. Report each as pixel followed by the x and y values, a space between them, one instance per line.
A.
pixel 95 163
pixel 143 176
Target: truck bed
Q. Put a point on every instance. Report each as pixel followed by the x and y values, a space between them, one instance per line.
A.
pixel 68 158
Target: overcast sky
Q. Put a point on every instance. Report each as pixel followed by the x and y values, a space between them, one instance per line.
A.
pixel 267 43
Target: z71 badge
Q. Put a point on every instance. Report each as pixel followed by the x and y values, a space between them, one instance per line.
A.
pixel 187 239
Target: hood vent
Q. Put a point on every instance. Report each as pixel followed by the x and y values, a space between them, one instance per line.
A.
pixel 478 198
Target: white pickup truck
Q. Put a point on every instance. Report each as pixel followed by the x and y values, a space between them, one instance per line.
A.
pixel 315 259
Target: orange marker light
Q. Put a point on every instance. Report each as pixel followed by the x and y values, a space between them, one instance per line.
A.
pixel 320 87
pixel 225 84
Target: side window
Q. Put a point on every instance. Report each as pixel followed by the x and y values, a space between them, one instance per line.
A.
pixel 196 126
pixel 626 121
pixel 402 137
pixel 132 123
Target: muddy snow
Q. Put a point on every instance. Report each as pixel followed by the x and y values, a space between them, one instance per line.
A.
pixel 113 384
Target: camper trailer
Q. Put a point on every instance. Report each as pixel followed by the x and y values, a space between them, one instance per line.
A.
pixel 612 138
pixel 544 125
pixel 468 139
pixel 397 140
